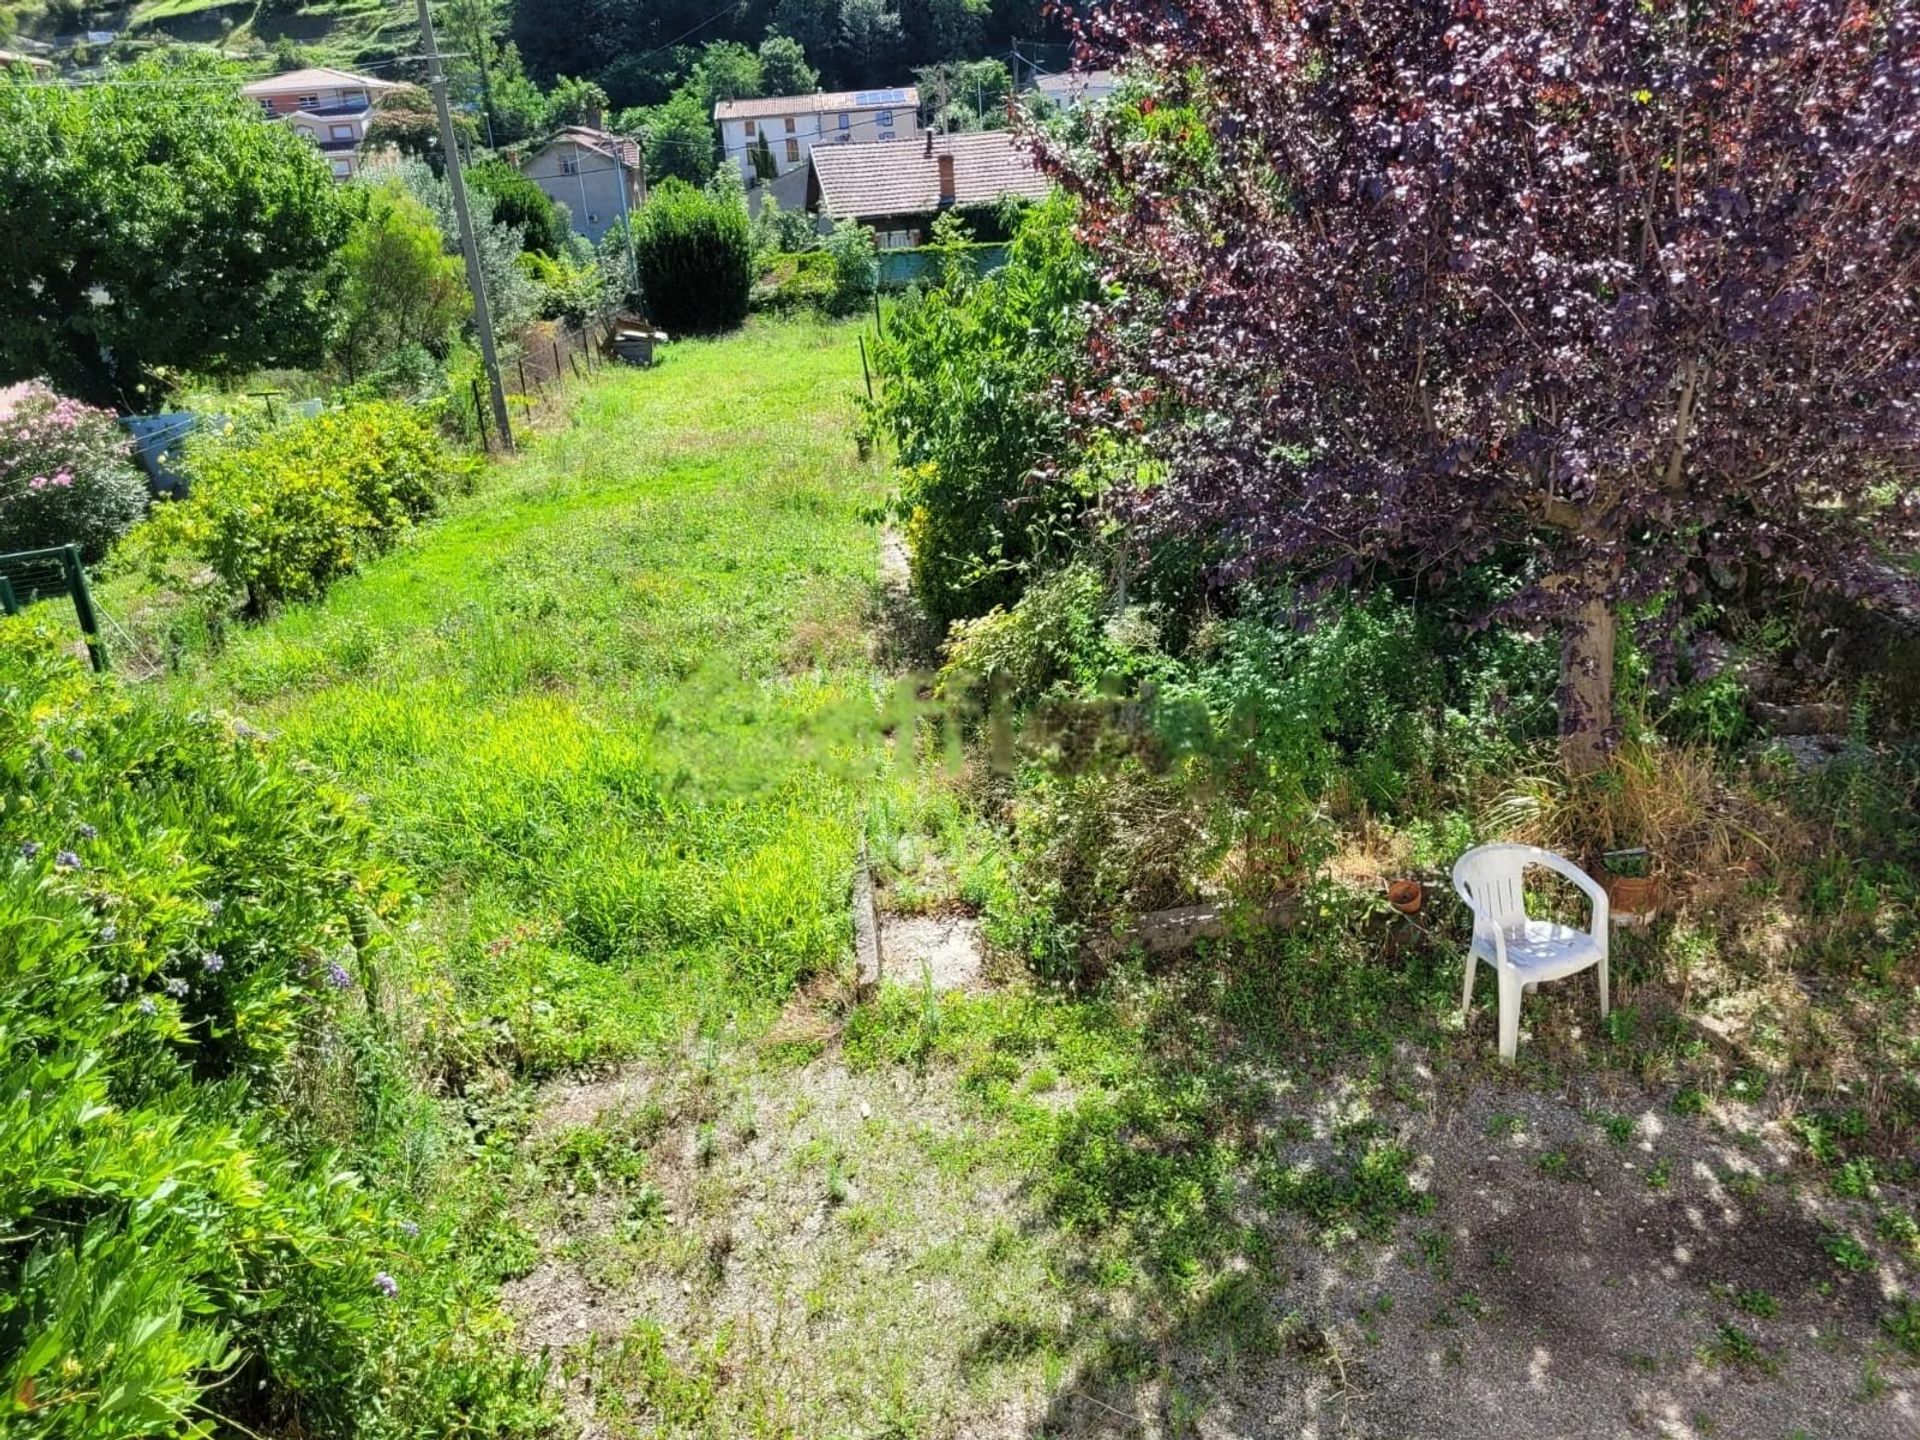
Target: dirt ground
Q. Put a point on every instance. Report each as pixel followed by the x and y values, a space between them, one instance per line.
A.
pixel 830 1252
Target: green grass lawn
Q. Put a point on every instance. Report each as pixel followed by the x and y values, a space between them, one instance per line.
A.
pixel 599 709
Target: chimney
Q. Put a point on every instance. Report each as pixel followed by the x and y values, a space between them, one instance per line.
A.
pixel 929 140
pixel 596 118
pixel 946 179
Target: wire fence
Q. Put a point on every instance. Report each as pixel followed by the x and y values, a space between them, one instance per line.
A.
pixel 535 368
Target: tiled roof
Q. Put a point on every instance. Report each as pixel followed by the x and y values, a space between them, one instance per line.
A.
pixel 904 98
pixel 601 142
pixel 312 79
pixel 902 178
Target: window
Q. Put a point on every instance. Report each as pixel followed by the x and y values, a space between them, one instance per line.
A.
pixel 793 148
pixel 592 219
pixel 887 135
pixel 570 164
pixel 308 131
pixel 340 132
pixel 789 124
pixel 748 130
pixel 846 122
pixel 342 169
pixel 308 102
pixel 354 97
pixel 885 119
pixel 266 103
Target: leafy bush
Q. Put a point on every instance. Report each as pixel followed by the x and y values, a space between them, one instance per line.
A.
pixel 196 1222
pixel 783 232
pixel 792 283
pixel 518 202
pixel 970 366
pixel 283 514
pixel 856 268
pixel 66 476
pixel 399 288
pixel 695 256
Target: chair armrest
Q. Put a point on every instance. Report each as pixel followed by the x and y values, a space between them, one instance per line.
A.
pixel 1595 891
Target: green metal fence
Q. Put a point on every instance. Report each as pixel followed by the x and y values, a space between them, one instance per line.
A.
pixel 30 575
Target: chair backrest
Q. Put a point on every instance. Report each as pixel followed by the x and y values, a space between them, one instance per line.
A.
pixel 1492 880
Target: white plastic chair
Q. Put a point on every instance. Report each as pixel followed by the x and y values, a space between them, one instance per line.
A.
pixel 1522 951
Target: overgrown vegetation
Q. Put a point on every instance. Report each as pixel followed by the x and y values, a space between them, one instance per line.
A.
pixel 224 1202
pixel 280 515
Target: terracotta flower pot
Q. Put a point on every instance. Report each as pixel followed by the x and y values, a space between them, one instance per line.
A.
pixel 1406 896
pixel 1633 895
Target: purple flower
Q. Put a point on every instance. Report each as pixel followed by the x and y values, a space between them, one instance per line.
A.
pixel 86 831
pixel 178 988
pixel 212 963
pixel 29 849
pixel 386 1284
pixel 75 753
pixel 109 932
pixel 214 907
pixel 66 860
pixel 338 977
pixel 409 1229
pixel 147 1007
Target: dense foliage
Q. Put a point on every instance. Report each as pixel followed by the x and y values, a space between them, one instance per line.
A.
pixel 66 475
pixel 972 370
pixel 282 514
pixel 695 257
pixel 518 202
pixel 398 286
pixel 155 224
pixel 195 1230
pixel 1627 290
pixel 636 47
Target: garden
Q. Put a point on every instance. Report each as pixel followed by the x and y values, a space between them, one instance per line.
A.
pixel 891 873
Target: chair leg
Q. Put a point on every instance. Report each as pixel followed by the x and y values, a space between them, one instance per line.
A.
pixel 1466 990
pixel 1509 1015
pixel 1606 990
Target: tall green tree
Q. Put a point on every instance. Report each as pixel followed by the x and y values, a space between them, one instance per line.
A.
pixel 680 139
pixel 399 286
pixel 726 70
pixel 784 69
pixel 155 225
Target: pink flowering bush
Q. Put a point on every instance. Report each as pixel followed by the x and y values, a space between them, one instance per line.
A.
pixel 66 475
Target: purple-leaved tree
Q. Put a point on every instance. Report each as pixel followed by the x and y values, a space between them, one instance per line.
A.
pixel 1632 289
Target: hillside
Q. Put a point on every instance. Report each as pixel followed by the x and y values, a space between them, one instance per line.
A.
pixel 334 32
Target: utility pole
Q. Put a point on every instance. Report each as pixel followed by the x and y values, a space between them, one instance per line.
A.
pixel 476 282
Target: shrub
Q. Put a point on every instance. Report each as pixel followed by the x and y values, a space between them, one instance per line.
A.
pixel 199 1094
pixel 791 283
pixel 518 202
pixel 695 256
pixel 66 476
pixel 399 288
pixel 856 269
pixel 783 232
pixel 970 368
pixel 282 515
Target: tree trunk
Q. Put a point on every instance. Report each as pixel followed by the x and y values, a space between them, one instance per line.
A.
pixel 1586 687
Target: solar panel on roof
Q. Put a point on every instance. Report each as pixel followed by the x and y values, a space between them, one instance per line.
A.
pixel 880 97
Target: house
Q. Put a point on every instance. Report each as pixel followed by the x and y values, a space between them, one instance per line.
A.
pixel 330 107
pixel 597 175
pixel 793 124
pixel 1077 87
pixel 898 190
